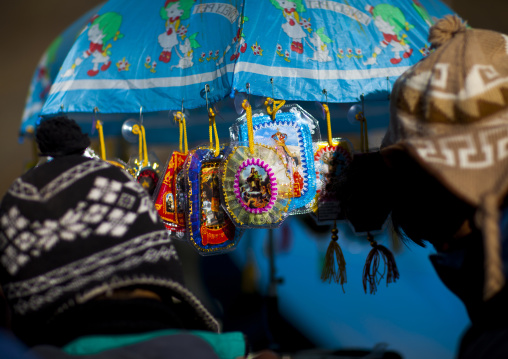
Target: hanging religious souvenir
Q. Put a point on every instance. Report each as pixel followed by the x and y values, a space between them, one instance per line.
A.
pixel 209 229
pixel 330 159
pixel 291 131
pixel 169 192
pixel 256 186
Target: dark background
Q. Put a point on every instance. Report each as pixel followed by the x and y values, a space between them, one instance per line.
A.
pixel 27 27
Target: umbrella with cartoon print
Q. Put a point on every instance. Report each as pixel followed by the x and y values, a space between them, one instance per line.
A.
pixel 145 55
pixel 299 48
pixel 160 55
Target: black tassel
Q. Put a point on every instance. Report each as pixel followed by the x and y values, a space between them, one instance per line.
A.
pixel 329 272
pixel 371 275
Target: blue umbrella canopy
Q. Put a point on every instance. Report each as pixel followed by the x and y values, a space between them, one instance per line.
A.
pixel 173 54
pixel 297 49
pixel 155 55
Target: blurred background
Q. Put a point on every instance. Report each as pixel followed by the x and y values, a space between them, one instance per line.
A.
pixel 416 317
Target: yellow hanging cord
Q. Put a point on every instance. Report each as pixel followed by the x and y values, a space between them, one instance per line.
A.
pixel 136 129
pixel 212 127
pixel 145 155
pixel 328 124
pixel 276 105
pixel 248 111
pixel 98 126
pixel 181 134
pixel 180 117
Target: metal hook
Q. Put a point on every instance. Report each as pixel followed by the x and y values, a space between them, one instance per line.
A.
pixel 207 89
pixel 388 87
pixel 141 115
pixel 326 95
pixel 271 81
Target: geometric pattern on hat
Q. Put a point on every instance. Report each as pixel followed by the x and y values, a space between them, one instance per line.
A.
pixel 462 81
pixel 45 288
pixel 450 112
pixel 75 228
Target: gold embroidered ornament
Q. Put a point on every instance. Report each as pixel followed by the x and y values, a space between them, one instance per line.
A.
pixel 256 187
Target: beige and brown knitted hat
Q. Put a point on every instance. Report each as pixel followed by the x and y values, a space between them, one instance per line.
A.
pixel 450 113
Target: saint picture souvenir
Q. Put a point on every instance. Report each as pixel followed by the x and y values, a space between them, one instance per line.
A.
pixel 257 189
pixel 209 228
pixel 167 196
pixel 291 133
pixel 256 186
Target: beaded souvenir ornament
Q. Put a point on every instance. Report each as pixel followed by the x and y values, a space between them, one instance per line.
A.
pixel 209 228
pixel 256 187
pixel 290 130
pixel 169 191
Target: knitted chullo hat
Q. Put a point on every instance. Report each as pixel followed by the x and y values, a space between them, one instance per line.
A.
pixel 450 113
pixel 75 228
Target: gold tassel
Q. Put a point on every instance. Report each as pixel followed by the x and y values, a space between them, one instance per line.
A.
pixel 371 274
pixel 329 273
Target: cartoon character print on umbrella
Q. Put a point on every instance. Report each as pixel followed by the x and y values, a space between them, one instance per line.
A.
pixel 103 28
pixel 294 26
pixel 390 21
pixel 173 12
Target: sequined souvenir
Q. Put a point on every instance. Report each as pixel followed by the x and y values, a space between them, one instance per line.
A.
pixel 291 135
pixel 330 161
pixel 257 188
pixel 209 228
pixel 167 197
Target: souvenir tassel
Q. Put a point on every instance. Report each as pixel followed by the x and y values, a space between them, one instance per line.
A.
pixel 371 274
pixel 329 273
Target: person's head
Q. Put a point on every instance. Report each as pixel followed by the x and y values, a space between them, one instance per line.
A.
pixel 75 230
pixel 442 168
pixel 60 136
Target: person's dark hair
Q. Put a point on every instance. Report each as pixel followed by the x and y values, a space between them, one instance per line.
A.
pixel 60 136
